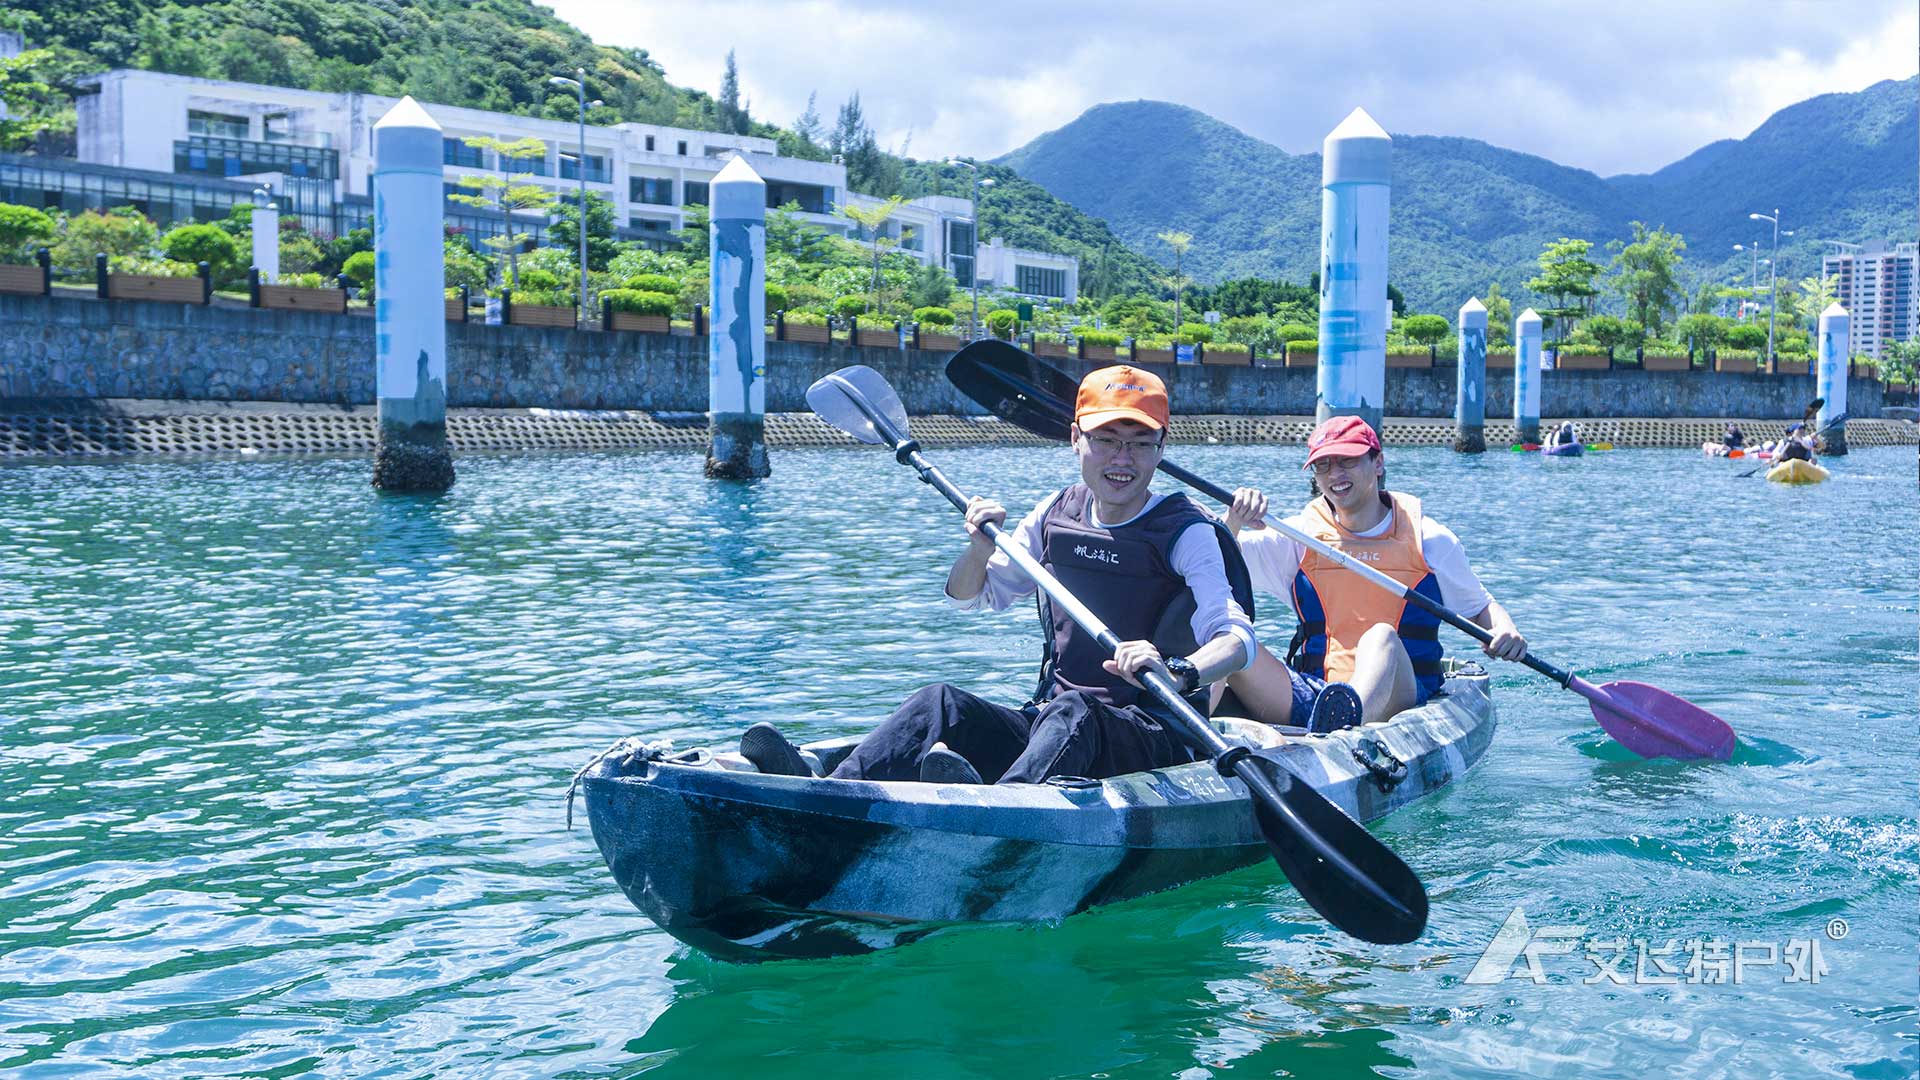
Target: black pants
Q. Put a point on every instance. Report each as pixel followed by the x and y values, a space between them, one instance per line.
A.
pixel 1075 734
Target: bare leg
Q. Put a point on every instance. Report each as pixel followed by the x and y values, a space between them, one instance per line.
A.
pixel 1266 688
pixel 1382 674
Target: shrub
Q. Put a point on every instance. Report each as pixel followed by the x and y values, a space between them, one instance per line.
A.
pixel 1580 348
pixel 934 316
pixel 359 269
pixel 1303 345
pixel 848 307
pixel 119 232
pixel 1609 330
pixel 21 228
pixel 806 318
pixel 639 301
pixel 1194 333
pixel 299 254
pixel 1103 337
pixel 654 283
pixel 1737 354
pixel 537 280
pixel 776 298
pixel 308 280
pixel 1425 329
pixel 1503 350
pixel 1298 332
pixel 1000 321
pixel 151 267
pixel 463 267
pixel 1745 336
pixel 210 244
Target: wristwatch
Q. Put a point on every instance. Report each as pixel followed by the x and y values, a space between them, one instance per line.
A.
pixel 1182 668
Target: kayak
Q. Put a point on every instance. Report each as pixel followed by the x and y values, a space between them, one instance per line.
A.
pixel 747 866
pixel 1714 449
pixel 1572 449
pixel 1797 471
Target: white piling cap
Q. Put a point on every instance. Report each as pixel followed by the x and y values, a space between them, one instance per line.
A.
pixel 737 192
pixel 1528 316
pixel 1358 151
pixel 1834 311
pixel 1473 311
pixel 407 138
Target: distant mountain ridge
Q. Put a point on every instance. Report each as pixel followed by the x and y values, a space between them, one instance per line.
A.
pixel 1465 212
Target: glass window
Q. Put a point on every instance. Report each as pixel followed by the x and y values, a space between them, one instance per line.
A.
pixel 457 152
pixel 683 148
pixel 220 124
pixel 962 267
pixel 1039 281
pixel 646 224
pixel 696 193
pixel 657 190
pixel 960 238
pixel 649 144
pixel 535 165
pixel 812 198
pixel 597 171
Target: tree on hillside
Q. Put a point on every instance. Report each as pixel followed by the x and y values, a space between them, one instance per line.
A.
pixel 565 231
pixel 1499 316
pixel 1813 296
pixel 1646 274
pixel 26 100
pixel 804 139
pixel 1566 275
pixel 872 219
pixel 732 108
pixel 1179 242
pixel 870 170
pixel 508 197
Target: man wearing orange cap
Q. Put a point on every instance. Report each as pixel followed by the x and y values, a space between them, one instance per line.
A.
pixel 1165 576
pixel 1356 638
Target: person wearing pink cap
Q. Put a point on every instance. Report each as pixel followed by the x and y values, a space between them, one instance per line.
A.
pixel 1162 573
pixel 1357 643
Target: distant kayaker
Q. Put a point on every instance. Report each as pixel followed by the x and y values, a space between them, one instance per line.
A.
pixel 1734 439
pixel 1565 435
pixel 1352 631
pixel 1795 447
pixel 1162 573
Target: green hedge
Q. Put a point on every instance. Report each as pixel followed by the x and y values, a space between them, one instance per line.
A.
pixel 315 281
pixel 776 297
pixel 1304 345
pixel 653 283
pixel 1195 333
pixel 805 318
pixel 1737 354
pixel 1110 338
pixel 1577 348
pixel 934 316
pixel 639 301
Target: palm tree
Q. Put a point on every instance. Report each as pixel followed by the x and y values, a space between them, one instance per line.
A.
pixel 1179 242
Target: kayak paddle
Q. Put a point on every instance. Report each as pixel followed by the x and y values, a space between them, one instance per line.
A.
pixel 1336 865
pixel 1011 383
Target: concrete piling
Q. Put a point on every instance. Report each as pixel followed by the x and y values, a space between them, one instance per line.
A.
pixel 1356 178
pixel 1831 378
pixel 1470 394
pixel 736 336
pixel 410 330
pixel 1526 377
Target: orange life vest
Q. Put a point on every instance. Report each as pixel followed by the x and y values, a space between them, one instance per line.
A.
pixel 1336 606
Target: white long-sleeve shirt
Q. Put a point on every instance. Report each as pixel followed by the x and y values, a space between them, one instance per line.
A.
pixel 1195 556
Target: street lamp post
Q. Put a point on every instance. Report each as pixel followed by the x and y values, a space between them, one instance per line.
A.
pixel 580 86
pixel 974 198
pixel 1753 270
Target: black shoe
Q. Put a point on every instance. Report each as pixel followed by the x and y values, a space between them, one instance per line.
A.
pixel 943 766
pixel 771 753
pixel 1336 706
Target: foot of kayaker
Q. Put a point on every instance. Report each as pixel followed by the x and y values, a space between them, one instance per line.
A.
pixel 771 753
pixel 943 766
pixel 1353 631
pixel 1337 706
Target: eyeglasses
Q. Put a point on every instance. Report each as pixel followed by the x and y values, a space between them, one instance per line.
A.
pixel 1327 464
pixel 1108 446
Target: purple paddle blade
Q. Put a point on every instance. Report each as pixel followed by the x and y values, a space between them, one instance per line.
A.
pixel 1653 723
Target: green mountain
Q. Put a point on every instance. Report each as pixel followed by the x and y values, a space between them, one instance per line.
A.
pixel 1840 166
pixel 488 54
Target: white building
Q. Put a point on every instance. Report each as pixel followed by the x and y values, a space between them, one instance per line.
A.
pixel 1880 288
pixel 315 150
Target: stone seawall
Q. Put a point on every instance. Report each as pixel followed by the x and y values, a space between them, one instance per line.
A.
pixel 68 348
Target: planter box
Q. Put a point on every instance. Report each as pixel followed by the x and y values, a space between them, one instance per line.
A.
pixel 1736 365
pixel 818 335
pixel 456 309
pixel 1053 348
pixel 1410 360
pixel 1228 355
pixel 561 318
pixel 643 324
pixel 1666 363
pixel 1499 363
pixel 1563 362
pixel 1303 358
pixel 1106 353
pixel 28 280
pixel 1863 371
pixel 939 342
pixel 1153 356
pixel 179 290
pixel 296 298
pixel 1790 367
pixel 878 339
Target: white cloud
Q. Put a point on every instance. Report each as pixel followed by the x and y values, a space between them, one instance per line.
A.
pixel 1604 89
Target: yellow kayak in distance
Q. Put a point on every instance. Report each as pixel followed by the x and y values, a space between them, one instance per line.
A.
pixel 1797 472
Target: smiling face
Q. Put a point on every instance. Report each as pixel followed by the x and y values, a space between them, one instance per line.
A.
pixel 1351 484
pixel 1117 460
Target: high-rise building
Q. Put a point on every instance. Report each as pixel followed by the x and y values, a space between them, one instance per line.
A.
pixel 1880 288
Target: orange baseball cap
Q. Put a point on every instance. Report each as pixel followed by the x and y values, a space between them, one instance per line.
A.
pixel 1121 393
pixel 1341 436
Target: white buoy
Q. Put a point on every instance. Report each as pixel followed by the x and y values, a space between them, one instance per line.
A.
pixel 410 327
pixel 1830 381
pixel 736 337
pixel 1356 177
pixel 1470 392
pixel 1526 377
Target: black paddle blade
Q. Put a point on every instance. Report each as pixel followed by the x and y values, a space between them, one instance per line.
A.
pixel 1336 865
pixel 1014 385
pixel 852 398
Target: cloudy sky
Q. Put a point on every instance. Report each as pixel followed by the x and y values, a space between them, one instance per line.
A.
pixel 1625 87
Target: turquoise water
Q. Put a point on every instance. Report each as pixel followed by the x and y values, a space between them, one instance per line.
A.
pixel 281 765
